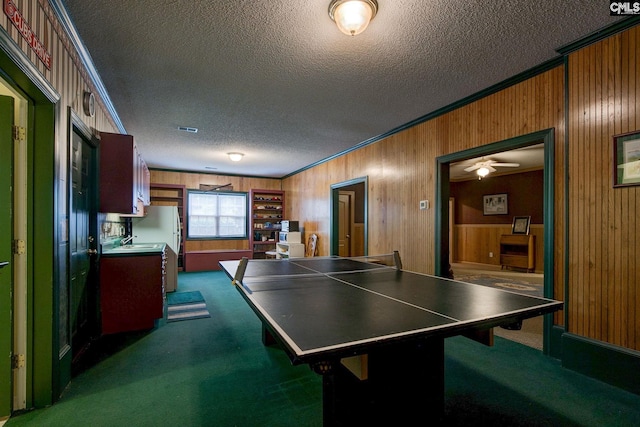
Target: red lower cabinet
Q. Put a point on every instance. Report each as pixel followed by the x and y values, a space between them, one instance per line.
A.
pixel 131 292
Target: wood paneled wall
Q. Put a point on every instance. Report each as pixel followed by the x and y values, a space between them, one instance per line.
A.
pixel 604 271
pixel 474 242
pixel 193 181
pixel 400 169
pixel 602 249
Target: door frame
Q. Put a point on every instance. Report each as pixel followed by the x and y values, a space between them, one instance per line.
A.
pixel 442 244
pixel 6 299
pixel 334 215
pixel 43 195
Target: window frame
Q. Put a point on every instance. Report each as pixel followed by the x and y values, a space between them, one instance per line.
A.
pixel 218 193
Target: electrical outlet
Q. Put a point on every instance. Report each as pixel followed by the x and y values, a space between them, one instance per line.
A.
pixel 490 254
pixel 424 204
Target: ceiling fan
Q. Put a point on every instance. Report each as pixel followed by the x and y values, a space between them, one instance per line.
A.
pixel 484 167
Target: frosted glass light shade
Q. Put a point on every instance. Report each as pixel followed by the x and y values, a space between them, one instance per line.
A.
pixel 235 157
pixel 483 172
pixel 352 16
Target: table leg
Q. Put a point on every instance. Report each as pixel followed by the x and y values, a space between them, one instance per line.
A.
pixel 267 337
pixel 405 383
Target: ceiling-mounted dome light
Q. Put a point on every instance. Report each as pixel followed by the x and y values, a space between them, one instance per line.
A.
pixel 235 157
pixel 482 172
pixel 352 16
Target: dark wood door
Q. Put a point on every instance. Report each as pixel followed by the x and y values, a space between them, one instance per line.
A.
pixel 344 225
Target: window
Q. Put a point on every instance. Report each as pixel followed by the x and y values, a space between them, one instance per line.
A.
pixel 216 215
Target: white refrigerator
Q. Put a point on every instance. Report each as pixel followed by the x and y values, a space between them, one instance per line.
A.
pixel 161 224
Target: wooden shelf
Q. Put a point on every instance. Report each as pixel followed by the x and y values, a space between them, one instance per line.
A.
pixel 518 250
pixel 267 210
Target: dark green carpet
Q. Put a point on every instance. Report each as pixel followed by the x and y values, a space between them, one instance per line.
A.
pixel 216 372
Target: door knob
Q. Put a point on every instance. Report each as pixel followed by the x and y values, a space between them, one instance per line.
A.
pixel 92 251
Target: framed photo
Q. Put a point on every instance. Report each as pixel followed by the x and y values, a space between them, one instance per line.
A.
pixel 495 204
pixel 520 225
pixel 626 163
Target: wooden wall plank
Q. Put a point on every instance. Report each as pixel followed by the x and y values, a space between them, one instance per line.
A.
pixel 603 275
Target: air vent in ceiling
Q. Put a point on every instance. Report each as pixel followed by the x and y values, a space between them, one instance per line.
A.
pixel 188 129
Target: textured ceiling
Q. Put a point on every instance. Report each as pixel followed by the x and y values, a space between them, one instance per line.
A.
pixel 277 81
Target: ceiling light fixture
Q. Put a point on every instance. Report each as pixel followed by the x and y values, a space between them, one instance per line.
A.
pixel 235 157
pixel 352 16
pixel 482 172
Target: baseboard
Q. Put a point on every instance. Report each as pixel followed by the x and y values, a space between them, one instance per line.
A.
pixel 611 364
pixel 555 342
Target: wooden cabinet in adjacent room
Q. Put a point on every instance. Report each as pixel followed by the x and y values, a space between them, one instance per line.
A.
pixel 518 250
pixel 124 176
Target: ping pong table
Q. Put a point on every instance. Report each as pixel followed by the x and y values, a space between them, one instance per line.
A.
pixel 373 331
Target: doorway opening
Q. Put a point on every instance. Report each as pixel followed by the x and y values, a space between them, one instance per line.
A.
pixel 349 218
pixel 14 283
pixel 448 246
pixel 42 216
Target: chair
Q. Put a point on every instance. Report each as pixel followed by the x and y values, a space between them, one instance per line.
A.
pixel 312 246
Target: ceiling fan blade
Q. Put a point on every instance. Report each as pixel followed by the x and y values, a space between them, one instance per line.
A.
pixel 508 165
pixel 472 168
pixel 491 168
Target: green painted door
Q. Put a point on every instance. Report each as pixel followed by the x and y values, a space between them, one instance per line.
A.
pixel 6 238
pixel 83 307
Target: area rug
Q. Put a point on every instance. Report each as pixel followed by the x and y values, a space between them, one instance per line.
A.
pixel 174 298
pixel 186 306
pixel 504 283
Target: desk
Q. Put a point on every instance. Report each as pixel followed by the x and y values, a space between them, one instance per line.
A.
pixel 374 332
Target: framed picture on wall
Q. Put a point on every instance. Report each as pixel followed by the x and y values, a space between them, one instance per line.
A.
pixel 520 225
pixel 626 167
pixel 495 204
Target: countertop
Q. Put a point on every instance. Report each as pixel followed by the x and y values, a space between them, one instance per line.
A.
pixel 135 249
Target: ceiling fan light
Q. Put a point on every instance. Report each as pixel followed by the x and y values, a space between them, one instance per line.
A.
pixel 352 16
pixel 482 172
pixel 235 157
